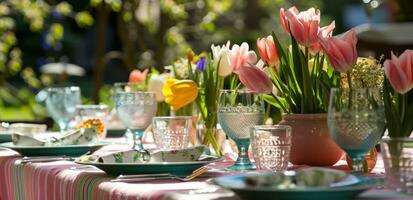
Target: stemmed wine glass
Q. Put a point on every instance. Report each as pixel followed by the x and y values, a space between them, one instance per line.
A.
pixel 61 104
pixel 126 87
pixel 238 110
pixel 356 121
pixel 135 110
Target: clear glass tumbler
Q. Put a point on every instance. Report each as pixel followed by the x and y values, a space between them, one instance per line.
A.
pixel 172 133
pixel 90 112
pixel 271 147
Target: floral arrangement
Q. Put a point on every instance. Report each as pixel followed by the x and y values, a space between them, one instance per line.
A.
pixel 199 79
pixel 295 79
pixel 301 73
pixel 398 94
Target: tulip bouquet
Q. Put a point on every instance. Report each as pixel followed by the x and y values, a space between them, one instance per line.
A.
pixel 210 75
pixel 398 94
pixel 203 77
pixel 301 73
pixel 198 80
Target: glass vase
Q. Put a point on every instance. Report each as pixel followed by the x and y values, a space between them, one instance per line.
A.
pixel 210 136
pixel 397 156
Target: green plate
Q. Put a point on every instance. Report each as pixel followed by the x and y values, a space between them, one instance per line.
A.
pixel 67 150
pixel 5 137
pixel 176 168
pixel 236 183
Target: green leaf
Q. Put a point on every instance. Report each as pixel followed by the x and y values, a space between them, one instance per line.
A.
pixel 303 78
pixel 408 122
pixel 393 121
pixel 280 50
pixel 64 8
pixel 84 19
pixel 190 71
pixel 297 66
pixel 275 101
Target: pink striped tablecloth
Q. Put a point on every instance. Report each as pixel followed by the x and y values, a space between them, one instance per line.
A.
pixel 67 180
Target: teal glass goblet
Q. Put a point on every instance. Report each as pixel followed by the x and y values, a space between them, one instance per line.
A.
pixel 356 121
pixel 238 110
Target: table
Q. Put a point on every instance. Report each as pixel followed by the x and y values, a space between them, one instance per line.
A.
pixel 67 180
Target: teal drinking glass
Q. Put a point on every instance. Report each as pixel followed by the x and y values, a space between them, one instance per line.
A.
pixel 356 121
pixel 238 110
pixel 61 104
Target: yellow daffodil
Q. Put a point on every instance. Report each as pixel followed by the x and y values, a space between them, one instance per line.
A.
pixel 179 93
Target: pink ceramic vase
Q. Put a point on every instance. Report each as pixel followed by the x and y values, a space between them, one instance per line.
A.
pixel 311 141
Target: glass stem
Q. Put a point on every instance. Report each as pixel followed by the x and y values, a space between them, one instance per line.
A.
pixel 357 165
pixel 137 139
pixel 243 152
pixel 63 126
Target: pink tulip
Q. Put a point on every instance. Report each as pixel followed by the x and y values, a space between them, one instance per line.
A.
pixel 284 20
pixel 399 71
pixel 241 56
pixel 137 76
pixel 326 31
pixel 268 51
pixel 341 51
pixel 304 26
pixel 255 79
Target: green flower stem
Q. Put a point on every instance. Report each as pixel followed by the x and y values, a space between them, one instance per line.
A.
pixel 210 138
pixel 350 87
pixel 349 80
pixel 185 111
pixel 267 112
pixel 306 56
pixel 403 99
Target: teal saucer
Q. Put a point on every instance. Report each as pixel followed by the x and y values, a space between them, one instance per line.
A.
pixel 177 168
pixel 67 150
pixel 237 184
pixel 5 137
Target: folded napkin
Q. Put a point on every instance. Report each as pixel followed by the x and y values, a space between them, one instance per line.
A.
pixel 133 156
pixel 76 137
pixel 27 128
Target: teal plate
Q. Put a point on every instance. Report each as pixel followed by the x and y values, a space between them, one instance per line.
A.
pixel 237 185
pixel 114 133
pixel 176 168
pixel 67 150
pixel 5 137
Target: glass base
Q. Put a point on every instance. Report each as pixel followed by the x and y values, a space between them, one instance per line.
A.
pixel 243 162
pixel 241 166
pixel 138 147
